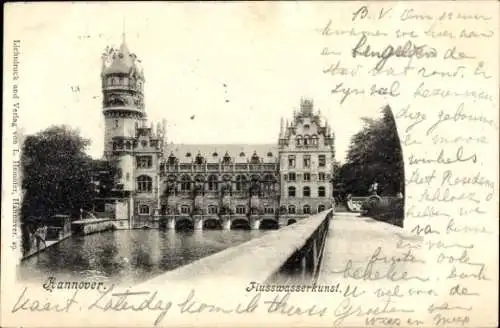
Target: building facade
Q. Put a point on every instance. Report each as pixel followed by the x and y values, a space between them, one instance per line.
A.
pixel 224 185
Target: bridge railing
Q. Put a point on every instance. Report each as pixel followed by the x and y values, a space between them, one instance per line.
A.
pixel 291 253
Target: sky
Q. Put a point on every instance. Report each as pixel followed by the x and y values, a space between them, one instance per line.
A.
pixel 267 55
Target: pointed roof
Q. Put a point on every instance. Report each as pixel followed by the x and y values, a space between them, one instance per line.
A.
pixel 122 61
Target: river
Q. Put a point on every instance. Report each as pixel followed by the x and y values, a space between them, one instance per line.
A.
pixel 128 256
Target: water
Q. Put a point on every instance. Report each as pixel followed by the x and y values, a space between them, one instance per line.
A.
pixel 128 256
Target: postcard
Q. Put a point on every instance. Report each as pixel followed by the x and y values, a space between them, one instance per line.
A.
pixel 250 164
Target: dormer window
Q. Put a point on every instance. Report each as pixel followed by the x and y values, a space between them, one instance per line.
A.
pixel 227 158
pixel 269 154
pixel 171 159
pixel 306 127
pixel 215 154
pixel 242 154
pixel 199 159
pixel 255 158
pixel 188 154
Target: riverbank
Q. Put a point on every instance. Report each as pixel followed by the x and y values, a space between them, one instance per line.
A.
pixel 42 247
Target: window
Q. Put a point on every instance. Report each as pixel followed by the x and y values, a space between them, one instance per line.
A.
pixel 125 81
pixel 291 161
pixel 321 192
pixel 117 123
pixel 291 176
pixel 306 209
pixel 242 154
pixel 144 162
pixel 241 209
pixel 291 209
pixel 321 176
pixel 306 192
pixel 314 139
pixel 299 140
pixel 291 191
pixel 144 184
pixel 268 183
pixel 185 209
pixel 269 210
pixel 185 183
pixel 240 182
pixel 212 209
pixel 199 159
pixel 212 183
pixel 307 161
pixel 306 140
pixel 306 126
pixel 321 208
pixel 307 176
pixel 143 209
pixel 188 154
pixel 321 160
pixel 269 154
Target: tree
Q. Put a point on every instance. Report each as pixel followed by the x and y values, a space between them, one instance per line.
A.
pixel 104 174
pixel 374 154
pixel 57 173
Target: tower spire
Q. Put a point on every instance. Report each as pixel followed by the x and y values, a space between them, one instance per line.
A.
pixel 123 31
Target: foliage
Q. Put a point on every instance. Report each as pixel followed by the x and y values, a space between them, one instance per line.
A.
pixel 57 174
pixel 104 173
pixel 374 154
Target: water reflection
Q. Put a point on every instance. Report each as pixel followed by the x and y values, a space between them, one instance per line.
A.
pixel 128 255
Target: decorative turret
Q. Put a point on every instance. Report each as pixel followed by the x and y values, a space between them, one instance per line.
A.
pixel 306 107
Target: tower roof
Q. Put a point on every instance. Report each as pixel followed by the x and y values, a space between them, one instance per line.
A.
pixel 122 61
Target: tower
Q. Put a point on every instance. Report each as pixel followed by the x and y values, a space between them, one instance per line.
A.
pixel 123 107
pixel 306 152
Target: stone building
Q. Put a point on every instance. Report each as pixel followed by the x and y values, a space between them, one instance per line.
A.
pixel 210 186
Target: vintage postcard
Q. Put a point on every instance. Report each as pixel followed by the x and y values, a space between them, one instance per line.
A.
pixel 250 164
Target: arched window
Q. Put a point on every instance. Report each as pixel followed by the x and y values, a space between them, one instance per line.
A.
pixel 306 191
pixel 291 209
pixel 185 209
pixel 185 183
pixel 321 208
pixel 212 183
pixel 240 209
pixel 212 209
pixel 143 209
pixel 321 192
pixel 306 209
pixel 299 140
pixel 306 140
pixel 291 191
pixel 144 184
pixel 240 182
pixel 314 139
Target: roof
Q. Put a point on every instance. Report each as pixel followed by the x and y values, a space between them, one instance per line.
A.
pixel 214 153
pixel 123 62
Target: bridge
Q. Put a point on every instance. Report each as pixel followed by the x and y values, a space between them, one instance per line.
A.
pixel 221 222
pixel 309 251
